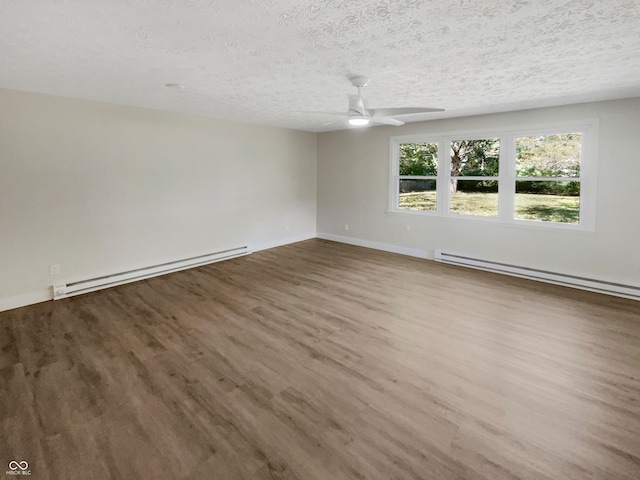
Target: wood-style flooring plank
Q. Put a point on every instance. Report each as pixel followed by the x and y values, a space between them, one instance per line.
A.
pixel 318 361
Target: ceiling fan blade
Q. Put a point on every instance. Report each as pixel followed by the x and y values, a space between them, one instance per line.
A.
pixel 386 121
pixel 394 112
pixel 335 122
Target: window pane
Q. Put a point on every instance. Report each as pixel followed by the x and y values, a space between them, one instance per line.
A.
pixel 548 201
pixel 549 155
pixel 417 194
pixel 475 158
pixel 474 197
pixel 419 159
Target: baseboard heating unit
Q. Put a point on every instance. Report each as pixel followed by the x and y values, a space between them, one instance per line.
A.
pixel 610 288
pixel 120 278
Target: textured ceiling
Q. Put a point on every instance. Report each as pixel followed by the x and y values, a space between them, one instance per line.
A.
pixel 266 61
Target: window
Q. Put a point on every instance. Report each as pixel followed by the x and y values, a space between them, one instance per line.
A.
pixel 418 174
pixel 474 177
pixel 548 178
pixel 531 176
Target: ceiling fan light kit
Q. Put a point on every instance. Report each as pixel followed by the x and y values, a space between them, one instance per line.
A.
pixel 358 120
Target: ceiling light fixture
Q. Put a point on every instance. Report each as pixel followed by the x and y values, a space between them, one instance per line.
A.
pixel 358 120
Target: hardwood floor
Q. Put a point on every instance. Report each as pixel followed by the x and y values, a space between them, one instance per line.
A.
pixel 320 361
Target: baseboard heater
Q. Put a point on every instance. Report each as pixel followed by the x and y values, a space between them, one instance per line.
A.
pixel 106 281
pixel 610 288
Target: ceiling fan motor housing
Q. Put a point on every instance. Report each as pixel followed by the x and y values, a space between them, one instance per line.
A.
pixel 359 81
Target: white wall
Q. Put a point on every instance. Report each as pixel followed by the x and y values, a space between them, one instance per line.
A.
pixel 353 184
pixel 100 188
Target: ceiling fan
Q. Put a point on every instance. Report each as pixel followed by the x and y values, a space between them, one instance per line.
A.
pixel 359 115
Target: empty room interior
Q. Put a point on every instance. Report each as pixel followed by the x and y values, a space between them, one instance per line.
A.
pixel 312 240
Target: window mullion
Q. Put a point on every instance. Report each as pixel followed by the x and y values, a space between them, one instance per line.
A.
pixel 507 182
pixel 444 176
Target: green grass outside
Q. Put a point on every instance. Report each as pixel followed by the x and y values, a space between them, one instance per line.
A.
pixel 529 206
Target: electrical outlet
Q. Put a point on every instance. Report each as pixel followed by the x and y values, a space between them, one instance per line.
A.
pixel 407 228
pixel 346 227
pixel 54 269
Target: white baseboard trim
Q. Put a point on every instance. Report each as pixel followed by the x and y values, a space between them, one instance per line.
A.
pixel 25 299
pixel 282 242
pixel 412 252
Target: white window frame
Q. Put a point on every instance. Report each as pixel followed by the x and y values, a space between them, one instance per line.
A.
pixel 507 174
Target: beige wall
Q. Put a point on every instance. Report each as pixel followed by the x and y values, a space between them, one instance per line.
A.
pixel 100 188
pixel 353 184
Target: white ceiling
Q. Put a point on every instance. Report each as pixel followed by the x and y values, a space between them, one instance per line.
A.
pixel 265 62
